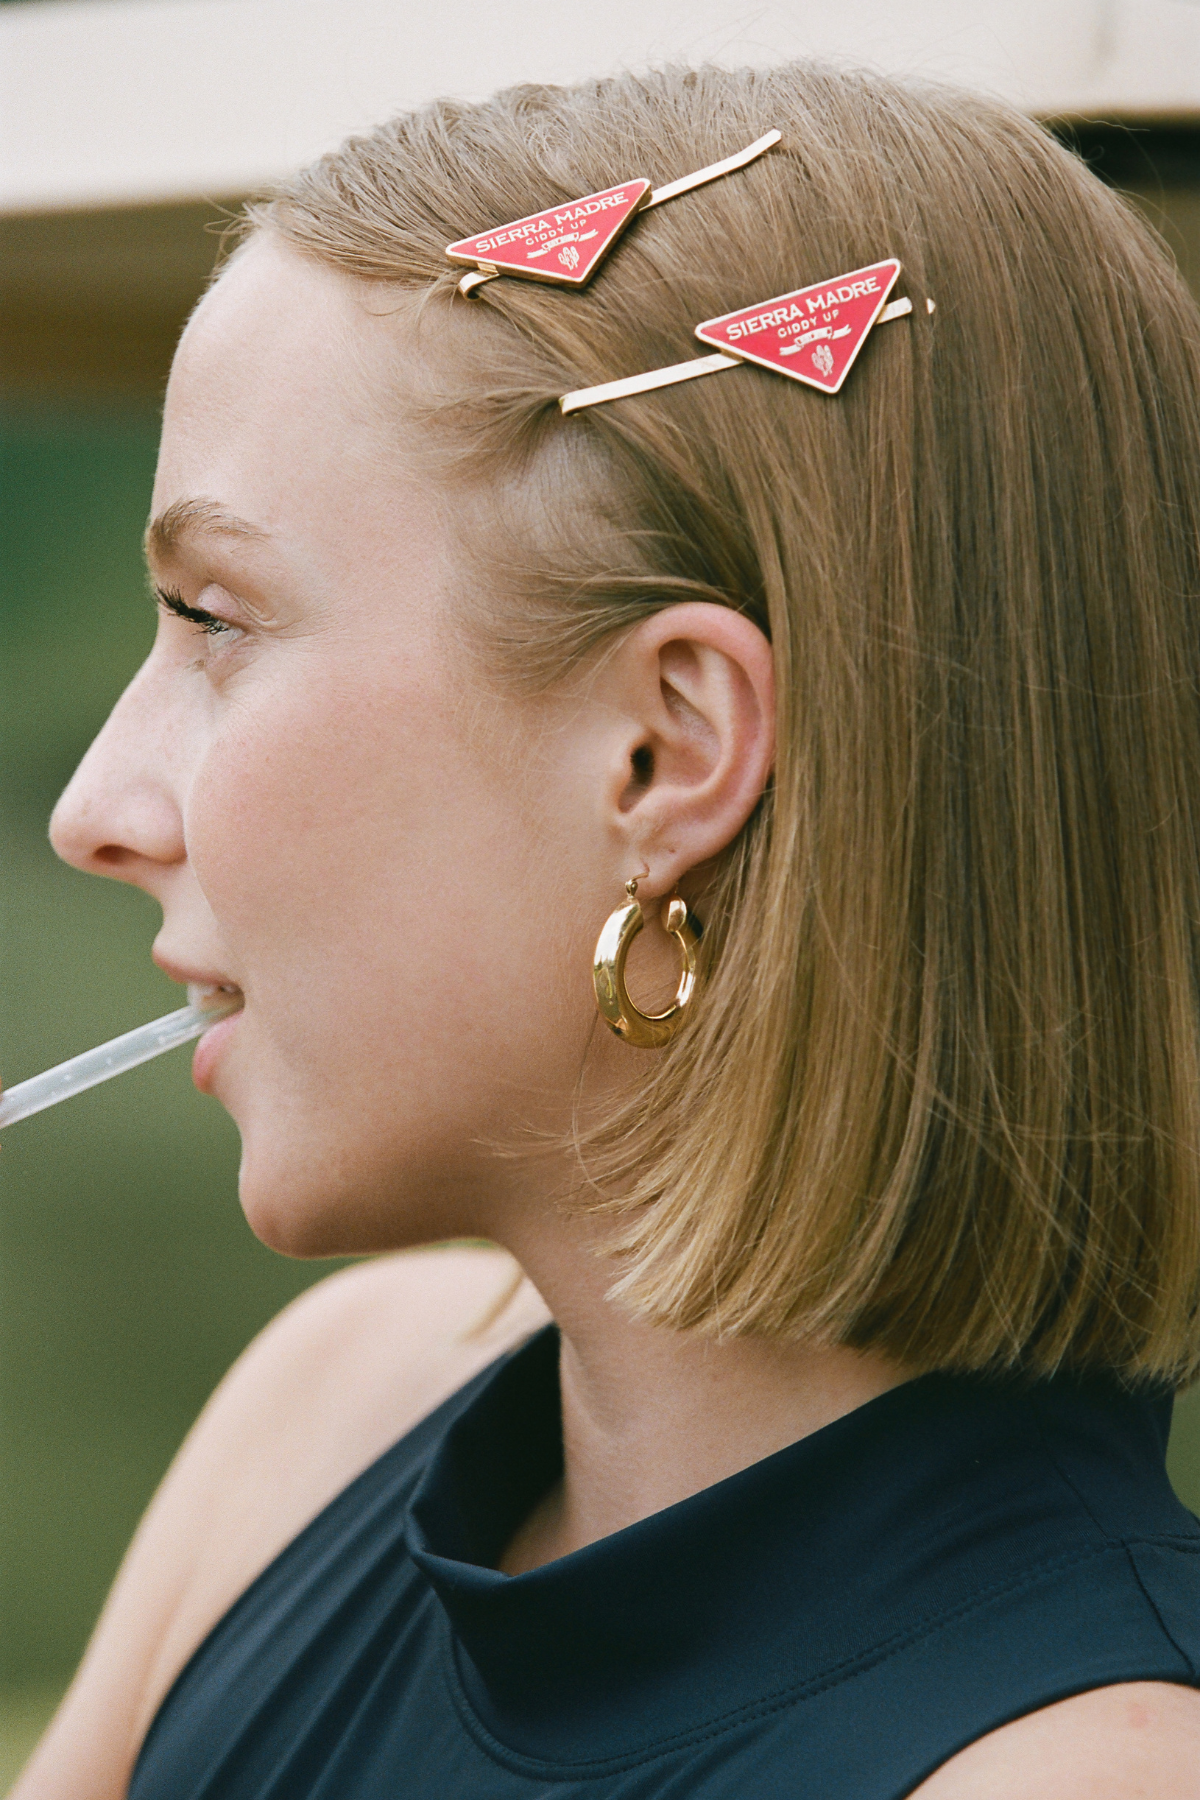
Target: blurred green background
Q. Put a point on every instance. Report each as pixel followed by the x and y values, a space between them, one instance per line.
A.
pixel 129 1278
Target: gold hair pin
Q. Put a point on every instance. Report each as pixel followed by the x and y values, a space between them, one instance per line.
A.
pixel 813 334
pixel 567 243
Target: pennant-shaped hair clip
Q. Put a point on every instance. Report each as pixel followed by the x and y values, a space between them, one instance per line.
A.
pixel 813 334
pixel 566 244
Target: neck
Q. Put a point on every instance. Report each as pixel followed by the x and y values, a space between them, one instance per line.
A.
pixel 651 1416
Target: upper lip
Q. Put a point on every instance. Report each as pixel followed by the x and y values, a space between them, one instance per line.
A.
pixel 191 977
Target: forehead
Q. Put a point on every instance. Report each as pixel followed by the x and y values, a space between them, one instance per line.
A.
pixel 275 327
pixel 275 387
pixel 282 412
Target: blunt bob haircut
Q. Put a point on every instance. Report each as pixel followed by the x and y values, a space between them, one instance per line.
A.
pixel 941 1096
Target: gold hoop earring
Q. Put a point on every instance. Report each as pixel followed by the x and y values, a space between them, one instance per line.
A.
pixel 648 1031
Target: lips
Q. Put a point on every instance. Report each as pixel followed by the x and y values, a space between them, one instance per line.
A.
pixel 211 993
pixel 211 1047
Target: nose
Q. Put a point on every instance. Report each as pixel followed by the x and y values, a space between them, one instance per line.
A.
pixel 120 814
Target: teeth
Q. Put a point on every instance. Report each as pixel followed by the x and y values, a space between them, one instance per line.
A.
pixel 217 995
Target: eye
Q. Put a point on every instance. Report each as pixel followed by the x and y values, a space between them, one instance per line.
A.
pixel 170 600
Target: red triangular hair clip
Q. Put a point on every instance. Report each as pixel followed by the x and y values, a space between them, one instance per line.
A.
pixel 813 335
pixel 563 244
pixel 566 244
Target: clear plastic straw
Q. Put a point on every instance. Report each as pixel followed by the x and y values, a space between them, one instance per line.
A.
pixel 106 1060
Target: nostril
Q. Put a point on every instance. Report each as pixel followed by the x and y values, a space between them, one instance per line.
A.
pixel 122 829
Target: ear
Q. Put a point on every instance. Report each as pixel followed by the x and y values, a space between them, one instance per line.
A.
pixel 694 693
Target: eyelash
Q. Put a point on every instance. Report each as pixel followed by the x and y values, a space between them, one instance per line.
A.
pixel 172 601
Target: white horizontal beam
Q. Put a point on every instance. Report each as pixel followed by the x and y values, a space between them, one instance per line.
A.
pixel 113 102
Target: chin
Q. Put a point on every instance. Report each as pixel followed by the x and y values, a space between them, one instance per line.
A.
pixel 293 1232
pixel 312 1205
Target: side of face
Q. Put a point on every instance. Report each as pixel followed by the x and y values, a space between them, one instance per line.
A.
pixel 403 871
pixel 332 818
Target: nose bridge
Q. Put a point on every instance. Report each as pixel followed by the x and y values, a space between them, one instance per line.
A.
pixel 121 808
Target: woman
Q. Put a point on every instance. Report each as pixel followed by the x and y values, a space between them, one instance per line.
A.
pixel 840 1470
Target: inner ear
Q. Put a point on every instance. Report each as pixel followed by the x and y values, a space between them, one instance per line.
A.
pixel 641 774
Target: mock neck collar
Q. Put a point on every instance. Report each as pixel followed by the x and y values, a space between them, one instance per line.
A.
pixel 798 1565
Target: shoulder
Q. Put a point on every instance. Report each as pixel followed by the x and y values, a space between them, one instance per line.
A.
pixel 342 1373
pixel 1139 1740
pixel 335 1379
pixel 325 1389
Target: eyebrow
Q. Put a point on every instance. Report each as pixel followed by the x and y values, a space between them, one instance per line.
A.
pixel 185 519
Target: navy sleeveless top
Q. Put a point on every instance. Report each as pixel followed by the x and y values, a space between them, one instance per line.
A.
pixel 830 1624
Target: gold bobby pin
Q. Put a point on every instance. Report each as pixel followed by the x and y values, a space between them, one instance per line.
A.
pixel 823 327
pixel 566 244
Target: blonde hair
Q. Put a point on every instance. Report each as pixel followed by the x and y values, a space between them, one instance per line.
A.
pixel 942 1094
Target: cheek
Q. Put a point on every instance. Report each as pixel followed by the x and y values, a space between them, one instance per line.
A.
pixel 292 815
pixel 379 878
pixel 322 824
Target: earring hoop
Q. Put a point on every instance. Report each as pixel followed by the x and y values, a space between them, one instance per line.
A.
pixel 647 1031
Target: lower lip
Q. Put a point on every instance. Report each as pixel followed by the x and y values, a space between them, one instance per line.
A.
pixel 209 1049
